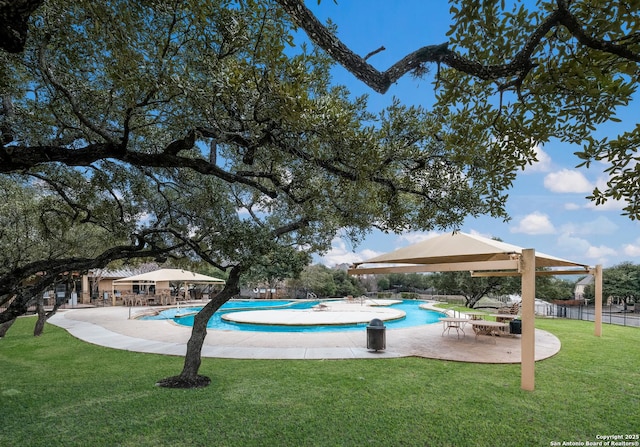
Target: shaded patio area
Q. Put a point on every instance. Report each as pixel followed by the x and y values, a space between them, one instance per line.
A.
pixel 484 257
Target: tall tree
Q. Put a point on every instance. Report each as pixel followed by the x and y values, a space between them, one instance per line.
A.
pixel 276 267
pixel 318 280
pixel 550 288
pixel 515 74
pixel 195 130
pixel 621 282
pixel 473 288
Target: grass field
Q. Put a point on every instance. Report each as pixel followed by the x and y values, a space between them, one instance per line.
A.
pixel 58 391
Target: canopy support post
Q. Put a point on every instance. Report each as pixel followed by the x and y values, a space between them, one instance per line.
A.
pixel 528 340
pixel 598 295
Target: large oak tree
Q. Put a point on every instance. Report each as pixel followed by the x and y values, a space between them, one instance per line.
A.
pixel 514 74
pixel 196 130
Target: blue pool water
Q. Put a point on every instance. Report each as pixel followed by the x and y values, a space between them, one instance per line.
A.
pixel 414 316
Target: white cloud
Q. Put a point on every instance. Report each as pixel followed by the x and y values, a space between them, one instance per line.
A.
pixel 534 223
pixel 633 249
pixel 543 164
pixel 583 249
pixel 566 242
pixel 415 237
pixel 600 225
pixel 570 206
pixel 601 252
pixel 609 205
pixel 567 181
pixel 478 233
pixel 340 254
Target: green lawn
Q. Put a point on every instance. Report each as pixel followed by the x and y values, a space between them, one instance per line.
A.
pixel 58 391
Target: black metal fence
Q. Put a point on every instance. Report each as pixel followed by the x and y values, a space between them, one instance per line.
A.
pixel 611 314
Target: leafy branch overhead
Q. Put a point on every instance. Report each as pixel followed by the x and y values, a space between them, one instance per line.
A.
pixel 189 124
pixel 135 130
pixel 514 71
pixel 557 71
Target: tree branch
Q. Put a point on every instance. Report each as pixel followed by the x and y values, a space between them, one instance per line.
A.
pixel 19 158
pixel 379 81
pixel 48 73
pixel 43 274
pixel 577 30
pixel 14 19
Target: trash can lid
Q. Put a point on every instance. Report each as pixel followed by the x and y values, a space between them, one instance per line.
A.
pixel 376 322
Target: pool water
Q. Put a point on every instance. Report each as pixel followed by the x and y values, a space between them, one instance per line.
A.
pixel 415 316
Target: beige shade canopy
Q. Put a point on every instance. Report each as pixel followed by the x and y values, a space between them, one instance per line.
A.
pixel 487 257
pixel 170 275
pixel 464 249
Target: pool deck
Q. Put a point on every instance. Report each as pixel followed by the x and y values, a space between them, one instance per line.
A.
pixel 111 327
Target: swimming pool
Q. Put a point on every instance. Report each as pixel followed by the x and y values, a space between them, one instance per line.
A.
pixel 414 316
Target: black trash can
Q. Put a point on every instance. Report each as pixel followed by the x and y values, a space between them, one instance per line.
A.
pixel 376 335
pixel 515 326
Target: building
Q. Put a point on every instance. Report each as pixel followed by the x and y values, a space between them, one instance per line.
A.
pixel 581 286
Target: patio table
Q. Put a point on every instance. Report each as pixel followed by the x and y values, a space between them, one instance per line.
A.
pixel 490 328
pixel 449 323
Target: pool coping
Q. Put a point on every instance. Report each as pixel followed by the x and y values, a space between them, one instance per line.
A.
pixel 111 327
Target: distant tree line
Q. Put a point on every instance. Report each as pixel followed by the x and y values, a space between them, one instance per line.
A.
pixel 326 282
pixel 621 283
pixel 473 288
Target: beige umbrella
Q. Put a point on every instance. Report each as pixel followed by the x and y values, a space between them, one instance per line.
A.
pixel 170 275
pixel 160 279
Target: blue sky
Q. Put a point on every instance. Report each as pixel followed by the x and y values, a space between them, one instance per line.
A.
pixel 547 203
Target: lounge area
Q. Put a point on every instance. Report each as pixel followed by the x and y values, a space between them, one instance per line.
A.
pixel 155 288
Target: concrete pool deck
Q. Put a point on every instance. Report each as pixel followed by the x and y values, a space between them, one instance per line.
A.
pixel 111 327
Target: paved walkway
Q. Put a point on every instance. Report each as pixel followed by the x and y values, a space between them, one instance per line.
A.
pixel 112 327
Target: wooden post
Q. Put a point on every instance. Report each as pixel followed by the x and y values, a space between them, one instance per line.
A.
pixel 86 293
pixel 598 293
pixel 528 340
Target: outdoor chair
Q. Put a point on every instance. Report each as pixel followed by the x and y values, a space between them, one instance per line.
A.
pixel 510 310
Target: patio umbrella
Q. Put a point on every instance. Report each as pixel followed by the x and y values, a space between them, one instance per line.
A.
pixel 166 276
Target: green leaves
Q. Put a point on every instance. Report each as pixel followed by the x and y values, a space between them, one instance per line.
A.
pixel 574 87
pixel 277 158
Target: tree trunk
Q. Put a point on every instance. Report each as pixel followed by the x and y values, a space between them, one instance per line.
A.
pixel 472 300
pixel 189 377
pixel 4 327
pixel 42 318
